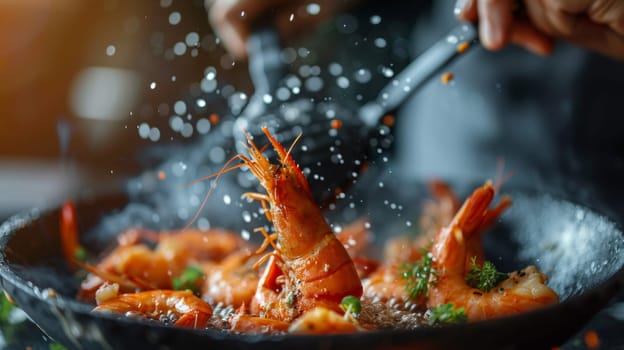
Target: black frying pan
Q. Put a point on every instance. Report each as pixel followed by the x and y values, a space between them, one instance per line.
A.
pixel 580 250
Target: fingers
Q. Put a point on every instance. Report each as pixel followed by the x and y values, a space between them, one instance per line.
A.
pixel 599 38
pixel 495 20
pixel 608 12
pixel 498 25
pixel 551 18
pixel 594 24
pixel 524 34
pixel 466 10
pixel 232 21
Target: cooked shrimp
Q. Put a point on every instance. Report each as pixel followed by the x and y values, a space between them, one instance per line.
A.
pixel 242 322
pixel 322 321
pixel 174 252
pixel 233 281
pixel 68 229
pixel 316 268
pixel 355 237
pixel 452 249
pixel 181 308
pixel 386 284
pixel 436 213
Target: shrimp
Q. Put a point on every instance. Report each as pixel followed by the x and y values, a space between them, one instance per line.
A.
pixel 68 229
pixel 309 266
pixel 181 308
pixel 242 322
pixel 356 237
pixel 233 281
pixel 174 252
pixel 322 321
pixel 436 213
pixel 452 249
pixel 318 320
pixel 387 284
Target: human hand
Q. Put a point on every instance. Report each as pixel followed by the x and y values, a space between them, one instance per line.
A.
pixel 595 24
pixel 234 20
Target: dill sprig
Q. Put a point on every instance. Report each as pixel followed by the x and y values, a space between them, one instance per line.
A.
pixel 419 275
pixel 483 277
pixel 447 314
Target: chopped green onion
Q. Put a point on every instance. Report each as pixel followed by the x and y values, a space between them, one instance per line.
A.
pixel 80 254
pixel 56 346
pixel 290 299
pixel 447 314
pixel 419 275
pixel 351 304
pixel 189 279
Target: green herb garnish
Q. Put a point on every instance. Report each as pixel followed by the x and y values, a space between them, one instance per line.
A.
pixel 80 254
pixel 290 299
pixel 447 314
pixel 483 277
pixel 419 275
pixel 190 279
pixel 5 308
pixel 57 346
pixel 351 304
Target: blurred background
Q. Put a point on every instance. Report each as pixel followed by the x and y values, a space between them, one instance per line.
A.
pixel 77 80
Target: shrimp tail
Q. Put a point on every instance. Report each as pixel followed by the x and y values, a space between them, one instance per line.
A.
pixel 68 229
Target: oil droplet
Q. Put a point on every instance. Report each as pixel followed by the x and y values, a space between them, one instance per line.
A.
pixel 152 85
pixel 110 50
pixel 227 199
pixel 342 82
pixel 179 48
pixel 375 19
pixel 203 126
pixel 313 9
pixel 292 17
pixel 175 18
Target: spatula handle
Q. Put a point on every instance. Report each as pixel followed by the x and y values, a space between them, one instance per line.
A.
pixel 420 70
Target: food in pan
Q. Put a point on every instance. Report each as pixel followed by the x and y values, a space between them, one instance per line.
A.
pixel 304 278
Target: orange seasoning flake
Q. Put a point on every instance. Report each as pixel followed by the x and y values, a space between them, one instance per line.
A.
pixel 591 339
pixel 214 119
pixel 336 124
pixel 162 175
pixel 463 46
pixel 388 120
pixel 446 78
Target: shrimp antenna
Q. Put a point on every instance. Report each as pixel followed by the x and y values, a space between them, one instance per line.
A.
pixel 501 177
pixel 225 169
pixel 292 146
pixel 208 177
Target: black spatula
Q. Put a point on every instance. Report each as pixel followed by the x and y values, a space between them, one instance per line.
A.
pixel 336 141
